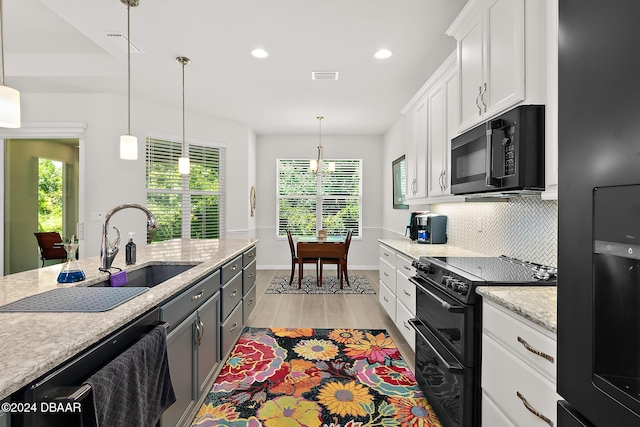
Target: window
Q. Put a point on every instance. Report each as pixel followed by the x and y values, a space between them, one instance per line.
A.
pixel 329 200
pixel 185 205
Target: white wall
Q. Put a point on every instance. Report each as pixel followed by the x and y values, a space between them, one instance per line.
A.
pixel 108 181
pixel 394 221
pixel 273 251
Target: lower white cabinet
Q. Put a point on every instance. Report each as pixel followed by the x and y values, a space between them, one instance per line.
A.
pixel 518 370
pixel 397 293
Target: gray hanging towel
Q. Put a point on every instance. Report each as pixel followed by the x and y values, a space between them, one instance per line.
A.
pixel 135 388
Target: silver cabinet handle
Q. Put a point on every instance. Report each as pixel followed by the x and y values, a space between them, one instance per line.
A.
pixel 385 299
pixel 235 292
pixel 235 267
pixel 405 325
pixel 406 268
pixel 250 275
pixel 201 330
pixel 250 302
pixel 386 254
pixel 477 101
pixel 534 351
pixel 233 328
pixel 196 297
pixel 482 97
pixel 533 410
pixel 406 293
pixel 385 273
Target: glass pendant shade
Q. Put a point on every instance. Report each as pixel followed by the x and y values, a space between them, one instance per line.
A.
pixel 183 165
pixel 9 107
pixel 128 147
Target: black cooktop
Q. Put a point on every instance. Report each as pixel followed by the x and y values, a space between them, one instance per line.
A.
pixel 497 270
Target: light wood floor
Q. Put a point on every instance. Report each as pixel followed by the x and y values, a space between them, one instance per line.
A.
pixel 324 310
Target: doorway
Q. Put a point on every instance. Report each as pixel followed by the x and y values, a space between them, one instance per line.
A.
pixel 41 194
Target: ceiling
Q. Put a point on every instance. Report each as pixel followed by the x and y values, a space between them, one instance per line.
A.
pixel 60 46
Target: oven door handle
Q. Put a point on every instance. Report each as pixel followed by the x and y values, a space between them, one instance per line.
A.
pixel 456 309
pixel 454 369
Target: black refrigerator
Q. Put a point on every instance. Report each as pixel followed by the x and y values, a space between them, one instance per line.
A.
pixel 599 213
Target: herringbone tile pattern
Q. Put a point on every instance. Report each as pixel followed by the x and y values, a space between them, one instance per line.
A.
pixel 524 228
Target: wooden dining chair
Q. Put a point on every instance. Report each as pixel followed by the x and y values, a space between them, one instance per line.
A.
pixel 340 262
pixel 46 244
pixel 295 260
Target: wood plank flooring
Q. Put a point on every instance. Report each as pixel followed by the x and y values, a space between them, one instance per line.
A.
pixel 324 310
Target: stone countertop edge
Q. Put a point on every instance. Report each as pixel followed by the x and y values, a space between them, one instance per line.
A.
pixel 415 250
pixel 33 344
pixel 534 303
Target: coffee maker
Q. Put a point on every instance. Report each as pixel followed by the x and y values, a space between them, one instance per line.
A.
pixel 412 228
pixel 432 228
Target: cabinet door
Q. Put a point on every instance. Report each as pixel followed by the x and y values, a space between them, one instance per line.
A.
pixel 504 55
pixel 209 326
pixel 470 64
pixel 181 353
pixel 437 139
pixel 452 89
pixel 416 154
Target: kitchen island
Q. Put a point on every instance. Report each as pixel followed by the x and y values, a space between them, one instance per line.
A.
pixel 34 343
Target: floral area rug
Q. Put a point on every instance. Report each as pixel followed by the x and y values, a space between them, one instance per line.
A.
pixel 330 285
pixel 315 378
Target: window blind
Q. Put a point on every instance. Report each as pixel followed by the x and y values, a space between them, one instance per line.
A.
pixel 328 200
pixel 185 205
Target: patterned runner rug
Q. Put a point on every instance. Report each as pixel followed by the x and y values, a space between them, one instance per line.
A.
pixel 315 378
pixel 330 285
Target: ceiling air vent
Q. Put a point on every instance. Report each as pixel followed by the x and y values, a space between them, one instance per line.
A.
pixel 324 75
pixel 122 42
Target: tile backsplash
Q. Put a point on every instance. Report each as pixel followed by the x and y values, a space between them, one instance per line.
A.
pixel 524 227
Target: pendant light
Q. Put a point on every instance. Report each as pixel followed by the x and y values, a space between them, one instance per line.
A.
pixel 183 162
pixel 128 142
pixel 317 165
pixel 9 97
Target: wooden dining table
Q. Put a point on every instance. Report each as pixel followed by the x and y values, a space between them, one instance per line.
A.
pixel 333 247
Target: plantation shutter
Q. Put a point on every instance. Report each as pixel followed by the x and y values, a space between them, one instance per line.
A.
pixel 185 205
pixel 329 200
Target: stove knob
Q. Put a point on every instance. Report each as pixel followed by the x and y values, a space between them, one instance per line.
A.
pixel 462 288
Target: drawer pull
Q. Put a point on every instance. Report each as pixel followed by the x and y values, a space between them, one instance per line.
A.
pixel 250 275
pixel 235 267
pixel 407 268
pixel 534 351
pixel 405 325
pixel 196 297
pixel 250 302
pixel 385 299
pixel 406 293
pixel 235 325
pixel 532 409
pixel 385 273
pixel 234 293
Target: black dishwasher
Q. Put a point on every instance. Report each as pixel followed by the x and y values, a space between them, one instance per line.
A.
pixel 61 398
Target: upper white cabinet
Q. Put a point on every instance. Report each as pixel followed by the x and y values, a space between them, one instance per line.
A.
pixel 416 155
pixel 432 118
pixel 501 57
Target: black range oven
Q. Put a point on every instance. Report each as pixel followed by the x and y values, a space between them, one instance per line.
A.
pixel 448 327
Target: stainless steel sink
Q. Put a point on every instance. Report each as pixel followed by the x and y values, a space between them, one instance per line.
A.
pixel 150 275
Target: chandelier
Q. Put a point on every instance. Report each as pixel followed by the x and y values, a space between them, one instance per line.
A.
pixel 318 165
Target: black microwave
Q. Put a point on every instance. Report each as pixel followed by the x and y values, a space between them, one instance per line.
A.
pixel 504 154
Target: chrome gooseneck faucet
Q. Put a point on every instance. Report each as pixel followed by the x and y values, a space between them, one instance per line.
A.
pixel 108 251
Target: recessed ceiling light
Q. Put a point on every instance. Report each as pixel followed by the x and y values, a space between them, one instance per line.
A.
pixel 383 54
pixel 260 53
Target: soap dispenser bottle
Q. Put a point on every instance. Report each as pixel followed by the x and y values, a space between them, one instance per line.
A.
pixel 130 251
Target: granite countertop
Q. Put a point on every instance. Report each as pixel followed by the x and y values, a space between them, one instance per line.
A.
pixel 416 250
pixel 35 343
pixel 535 303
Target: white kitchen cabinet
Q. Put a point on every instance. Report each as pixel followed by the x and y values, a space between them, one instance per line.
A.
pixel 416 151
pixel 387 273
pixel 518 370
pixel 431 121
pixel 501 47
pixel 442 103
pixel 551 109
pixel 405 299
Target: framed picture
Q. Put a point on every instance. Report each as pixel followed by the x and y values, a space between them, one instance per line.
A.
pixel 399 168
